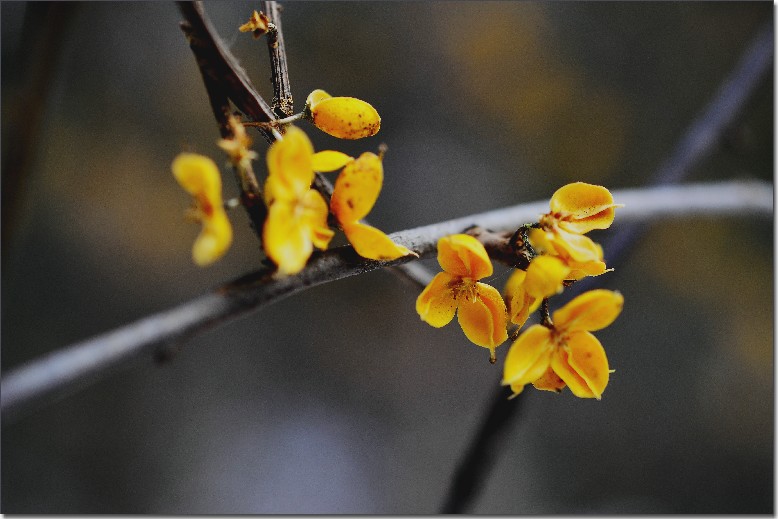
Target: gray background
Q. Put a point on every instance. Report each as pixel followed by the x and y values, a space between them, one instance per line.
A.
pixel 340 400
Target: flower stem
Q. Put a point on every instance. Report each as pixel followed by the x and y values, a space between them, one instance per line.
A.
pixel 545 316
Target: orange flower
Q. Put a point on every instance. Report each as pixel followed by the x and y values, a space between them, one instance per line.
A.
pixel 576 209
pixel 297 215
pixel 565 353
pixel 481 309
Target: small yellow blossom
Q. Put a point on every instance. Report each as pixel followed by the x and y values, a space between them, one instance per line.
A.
pixel 481 309
pixel 258 24
pixel 237 146
pixel 355 194
pixel 342 117
pixel 565 353
pixel 297 215
pixel 526 289
pixel 576 209
pixel 199 176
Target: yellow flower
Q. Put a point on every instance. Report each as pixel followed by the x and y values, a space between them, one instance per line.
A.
pixel 342 117
pixel 545 242
pixel 565 353
pixel 199 176
pixel 481 309
pixel 576 209
pixel 356 191
pixel 297 215
pixel 526 289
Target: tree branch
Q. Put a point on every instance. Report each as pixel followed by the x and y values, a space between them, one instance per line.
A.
pixel 700 138
pixel 283 103
pixel 78 365
pixel 217 62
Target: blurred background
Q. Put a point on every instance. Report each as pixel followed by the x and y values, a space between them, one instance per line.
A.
pixel 339 399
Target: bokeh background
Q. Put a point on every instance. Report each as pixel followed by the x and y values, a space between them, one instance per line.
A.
pixel 339 399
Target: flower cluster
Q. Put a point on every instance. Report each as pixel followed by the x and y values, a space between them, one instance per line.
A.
pixel 297 213
pixel 560 351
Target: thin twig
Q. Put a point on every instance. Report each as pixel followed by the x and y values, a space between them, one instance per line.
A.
pixel 283 104
pixel 78 365
pixel 698 141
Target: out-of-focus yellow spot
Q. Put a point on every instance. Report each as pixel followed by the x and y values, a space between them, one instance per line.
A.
pixel 200 177
pixel 297 215
pixel 481 309
pixel 342 117
pixel 355 194
pixel 258 24
pixel 566 353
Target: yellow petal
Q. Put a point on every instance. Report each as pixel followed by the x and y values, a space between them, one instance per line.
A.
pixel 589 268
pixel 214 239
pixel 436 304
pixel 583 207
pixel 591 311
pixel 372 243
pixel 582 364
pixel 528 358
pixel 314 98
pixel 515 282
pixel 314 217
pixel 199 176
pixel 464 256
pixel 491 297
pixel 345 117
pixel 483 318
pixel 290 164
pixel 550 381
pixel 287 241
pixel 576 246
pixel 520 304
pixel 357 188
pixel 330 160
pixel 544 276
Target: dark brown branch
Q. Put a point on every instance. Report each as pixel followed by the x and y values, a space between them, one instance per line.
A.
pixel 217 62
pixel 213 58
pixel 283 104
pixel 699 140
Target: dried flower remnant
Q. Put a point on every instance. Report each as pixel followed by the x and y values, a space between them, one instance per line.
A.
pixel 564 352
pixel 481 309
pixel 200 177
pixel 342 117
pixel 237 146
pixel 258 25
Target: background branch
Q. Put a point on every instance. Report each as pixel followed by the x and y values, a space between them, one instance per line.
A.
pixel 700 138
pixel 74 367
